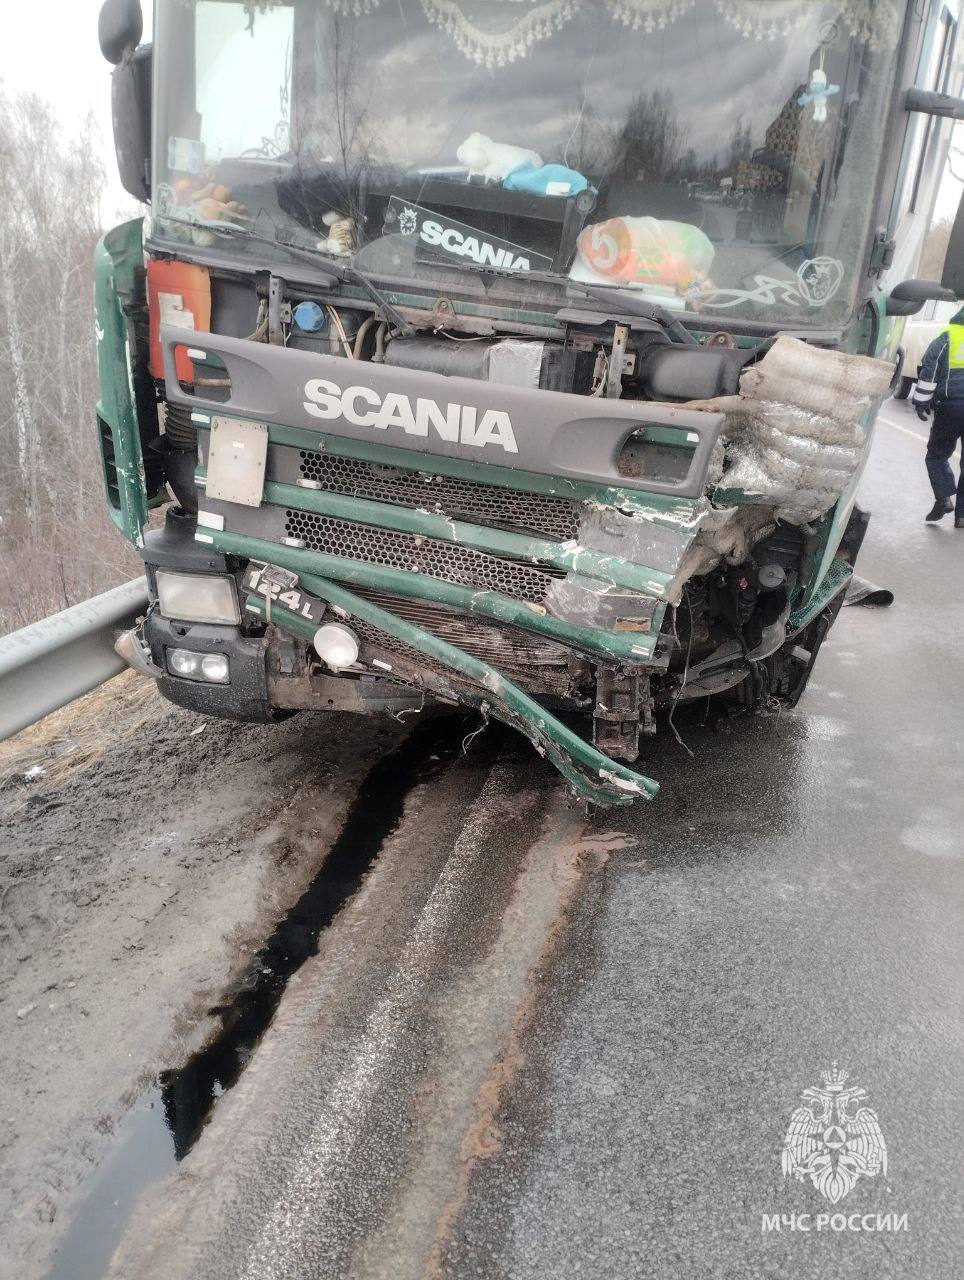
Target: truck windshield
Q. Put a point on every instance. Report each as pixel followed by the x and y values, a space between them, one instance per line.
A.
pixel 710 155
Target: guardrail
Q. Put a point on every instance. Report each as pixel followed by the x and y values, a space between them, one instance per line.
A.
pixel 52 662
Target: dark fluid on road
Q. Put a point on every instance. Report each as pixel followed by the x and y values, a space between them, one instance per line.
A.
pixel 165 1122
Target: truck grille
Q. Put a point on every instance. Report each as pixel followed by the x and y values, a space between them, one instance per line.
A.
pixel 445 560
pixel 535 663
pixel 548 517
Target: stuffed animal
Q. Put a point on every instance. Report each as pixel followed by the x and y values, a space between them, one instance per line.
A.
pixel 545 180
pixel 818 93
pixel 341 233
pixel 493 161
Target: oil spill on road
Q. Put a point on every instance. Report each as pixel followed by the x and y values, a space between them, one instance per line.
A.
pixel 164 1123
pixel 191 1091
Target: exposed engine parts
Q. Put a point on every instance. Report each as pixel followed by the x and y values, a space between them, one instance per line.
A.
pixel 641 602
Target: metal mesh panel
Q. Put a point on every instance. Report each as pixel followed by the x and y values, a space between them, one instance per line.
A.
pixel 445 560
pixel 390 647
pixel 548 517
pixel 532 661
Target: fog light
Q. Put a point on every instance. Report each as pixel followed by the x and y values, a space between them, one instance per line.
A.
pixel 183 663
pixel 336 645
pixel 214 666
pixel 196 597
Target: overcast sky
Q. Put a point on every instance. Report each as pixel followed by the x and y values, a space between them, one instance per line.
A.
pixel 52 49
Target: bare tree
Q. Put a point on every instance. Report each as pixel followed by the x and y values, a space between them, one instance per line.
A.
pixel 56 543
pixel 652 140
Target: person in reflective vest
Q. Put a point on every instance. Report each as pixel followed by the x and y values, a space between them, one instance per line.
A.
pixel 940 390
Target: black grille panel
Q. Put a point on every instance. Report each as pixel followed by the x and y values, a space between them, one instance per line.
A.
pixel 444 560
pixel 534 662
pixel 548 517
pixel 393 648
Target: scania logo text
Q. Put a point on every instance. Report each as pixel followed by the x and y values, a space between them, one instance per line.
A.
pixel 456 423
pixel 475 247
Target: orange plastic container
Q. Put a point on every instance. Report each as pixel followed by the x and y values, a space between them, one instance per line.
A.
pixel 178 293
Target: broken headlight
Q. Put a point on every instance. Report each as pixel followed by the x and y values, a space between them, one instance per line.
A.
pixel 196 597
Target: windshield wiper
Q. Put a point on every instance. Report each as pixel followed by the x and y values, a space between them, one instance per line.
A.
pixel 628 304
pixel 340 270
pixel 637 307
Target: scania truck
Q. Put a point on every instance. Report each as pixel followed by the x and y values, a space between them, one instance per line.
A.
pixel 433 373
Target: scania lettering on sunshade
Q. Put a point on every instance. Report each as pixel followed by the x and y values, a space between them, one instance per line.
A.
pixel 438 238
pixel 456 423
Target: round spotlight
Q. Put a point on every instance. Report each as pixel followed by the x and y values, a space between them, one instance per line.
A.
pixel 336 645
pixel 214 666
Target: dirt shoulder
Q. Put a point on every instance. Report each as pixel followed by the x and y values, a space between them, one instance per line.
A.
pixel 145 853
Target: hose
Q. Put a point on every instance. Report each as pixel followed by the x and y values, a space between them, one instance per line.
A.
pixel 360 336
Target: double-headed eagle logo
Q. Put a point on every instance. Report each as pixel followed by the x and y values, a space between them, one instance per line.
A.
pixel 832 1139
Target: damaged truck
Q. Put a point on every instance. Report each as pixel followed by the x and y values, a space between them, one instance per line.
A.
pixel 519 355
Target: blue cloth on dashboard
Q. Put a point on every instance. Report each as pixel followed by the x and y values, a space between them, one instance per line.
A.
pixel 528 177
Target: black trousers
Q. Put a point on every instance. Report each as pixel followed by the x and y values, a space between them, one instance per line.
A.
pixel 947 429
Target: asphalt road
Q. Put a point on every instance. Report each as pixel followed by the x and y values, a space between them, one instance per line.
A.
pixel 528 1049
pixel 801 902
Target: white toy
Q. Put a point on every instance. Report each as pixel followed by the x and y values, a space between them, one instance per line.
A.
pixel 493 160
pixel 818 91
pixel 341 233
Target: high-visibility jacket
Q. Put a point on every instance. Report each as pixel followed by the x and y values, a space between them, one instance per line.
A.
pixel 941 374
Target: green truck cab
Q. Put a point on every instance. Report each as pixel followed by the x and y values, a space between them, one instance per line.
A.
pixel 520 356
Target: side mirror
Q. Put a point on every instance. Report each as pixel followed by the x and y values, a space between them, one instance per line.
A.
pixel 929 103
pixel 907 298
pixel 119 28
pixel 953 277
pixel 130 94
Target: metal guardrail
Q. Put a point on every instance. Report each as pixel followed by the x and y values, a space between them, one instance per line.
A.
pixel 52 662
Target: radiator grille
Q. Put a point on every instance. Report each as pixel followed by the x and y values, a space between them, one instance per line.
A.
pixel 535 663
pixel 548 517
pixel 444 560
pixel 393 648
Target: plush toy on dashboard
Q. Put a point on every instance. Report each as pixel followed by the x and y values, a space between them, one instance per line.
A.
pixel 545 180
pixel 493 161
pixel 341 233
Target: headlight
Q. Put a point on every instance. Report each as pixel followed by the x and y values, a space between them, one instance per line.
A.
pixel 195 597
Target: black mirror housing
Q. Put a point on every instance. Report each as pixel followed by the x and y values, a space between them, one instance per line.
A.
pixel 119 28
pixel 934 104
pixel 131 112
pixel 907 298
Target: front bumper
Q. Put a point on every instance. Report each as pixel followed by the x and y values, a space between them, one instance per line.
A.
pixel 244 697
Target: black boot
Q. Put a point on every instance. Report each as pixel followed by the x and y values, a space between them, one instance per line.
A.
pixel 959 522
pixel 942 507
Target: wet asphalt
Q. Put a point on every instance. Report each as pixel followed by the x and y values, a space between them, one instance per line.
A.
pixel 499 1066
pixel 795 899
